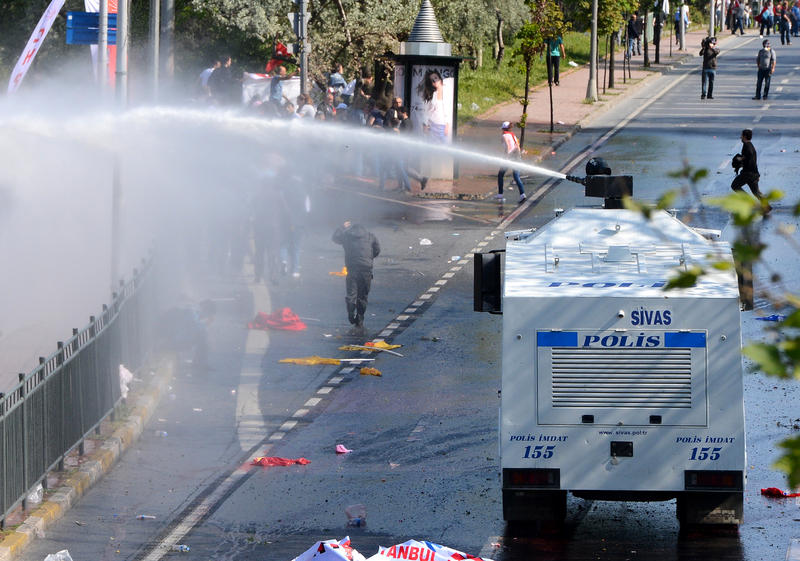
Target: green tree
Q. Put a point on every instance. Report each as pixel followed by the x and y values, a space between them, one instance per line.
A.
pixel 546 22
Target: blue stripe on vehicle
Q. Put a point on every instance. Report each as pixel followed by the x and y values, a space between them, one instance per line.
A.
pixel 672 339
pixel 557 338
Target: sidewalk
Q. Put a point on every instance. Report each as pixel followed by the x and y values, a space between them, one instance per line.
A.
pixel 569 113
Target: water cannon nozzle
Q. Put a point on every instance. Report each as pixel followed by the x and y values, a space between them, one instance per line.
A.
pixel 576 179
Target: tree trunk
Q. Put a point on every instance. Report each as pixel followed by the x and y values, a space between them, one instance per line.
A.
pixel 644 40
pixel 550 79
pixel 524 120
pixel 499 38
pixel 614 36
pixel 343 15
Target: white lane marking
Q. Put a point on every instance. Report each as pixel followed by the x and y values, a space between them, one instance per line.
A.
pixel 385 333
pixel 391 326
pixel 287 426
pixel 434 289
pixel 336 380
pixel 425 297
pixel 402 317
pixel 410 310
pixel 300 413
pixel 483 244
pixel 312 402
pixel 251 432
pixel 448 275
pixel 441 282
pixel 324 390
pixel 418 303
pixel 277 436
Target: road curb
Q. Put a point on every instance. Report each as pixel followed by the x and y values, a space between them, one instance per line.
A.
pixel 95 465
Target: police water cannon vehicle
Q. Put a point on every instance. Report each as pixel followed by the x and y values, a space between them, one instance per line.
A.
pixel 614 388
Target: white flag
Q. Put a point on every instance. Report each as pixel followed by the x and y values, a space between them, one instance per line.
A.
pixel 41 31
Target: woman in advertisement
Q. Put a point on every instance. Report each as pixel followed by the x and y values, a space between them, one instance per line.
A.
pixel 436 121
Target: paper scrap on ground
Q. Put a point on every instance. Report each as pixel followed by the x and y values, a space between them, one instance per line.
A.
pixel 425 241
pixel 310 360
pixel 125 378
pixel 340 449
pixel 367 371
pixel 421 551
pixel 378 345
pixel 267 461
pixel 777 493
pixel 342 273
pixel 284 319
pixel 331 550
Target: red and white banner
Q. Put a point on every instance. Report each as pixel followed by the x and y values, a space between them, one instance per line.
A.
pixel 94 6
pixel 41 31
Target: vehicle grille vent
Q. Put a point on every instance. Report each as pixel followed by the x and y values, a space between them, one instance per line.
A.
pixel 637 378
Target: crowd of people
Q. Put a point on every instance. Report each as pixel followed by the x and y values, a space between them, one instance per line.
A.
pixel 780 18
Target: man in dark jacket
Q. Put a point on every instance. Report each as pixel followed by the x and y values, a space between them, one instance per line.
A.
pixel 749 175
pixel 360 248
pixel 709 52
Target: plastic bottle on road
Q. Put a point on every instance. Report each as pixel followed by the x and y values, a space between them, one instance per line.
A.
pixel 180 547
pixel 161 433
pixel 145 517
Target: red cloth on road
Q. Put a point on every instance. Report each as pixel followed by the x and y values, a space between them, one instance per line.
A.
pixel 284 319
pixel 268 461
pixel 777 493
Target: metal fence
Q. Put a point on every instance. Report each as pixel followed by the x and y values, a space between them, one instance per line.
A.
pixel 66 397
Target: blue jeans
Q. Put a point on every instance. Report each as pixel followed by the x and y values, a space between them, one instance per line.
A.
pixel 517 179
pixel 631 47
pixel 764 75
pixel 708 81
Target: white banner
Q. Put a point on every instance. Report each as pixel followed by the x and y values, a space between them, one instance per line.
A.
pixel 42 28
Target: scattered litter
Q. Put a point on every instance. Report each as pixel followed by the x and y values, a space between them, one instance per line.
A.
pixel 35 497
pixel 197 409
pixel 455 234
pixel 560 122
pixel 367 371
pixel 425 241
pixel 489 99
pixel 125 378
pixel 326 335
pixel 284 319
pixel 393 465
pixel 379 345
pixel 776 493
pixel 572 63
pixel 268 461
pixel 783 149
pixel 331 550
pixel 459 106
pixel 161 433
pixel 180 547
pixel 310 360
pixel 455 258
pixel 340 449
pixel 474 106
pixel 145 517
pixel 356 516
pixel 62 555
pixel 773 317
pixel 79 523
pixel 233 392
pixel 413 549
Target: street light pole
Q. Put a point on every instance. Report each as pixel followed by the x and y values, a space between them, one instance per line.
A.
pixel 155 24
pixel 102 47
pixel 591 87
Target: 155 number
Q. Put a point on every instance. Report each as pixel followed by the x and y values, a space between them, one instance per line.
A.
pixel 539 451
pixel 705 454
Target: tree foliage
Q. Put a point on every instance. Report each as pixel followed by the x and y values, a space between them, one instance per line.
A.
pixel 780 355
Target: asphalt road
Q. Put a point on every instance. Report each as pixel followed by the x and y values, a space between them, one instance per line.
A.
pixel 423 435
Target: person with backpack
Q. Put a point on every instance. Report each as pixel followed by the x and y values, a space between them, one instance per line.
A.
pixel 747 160
pixel 709 52
pixel 765 60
